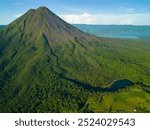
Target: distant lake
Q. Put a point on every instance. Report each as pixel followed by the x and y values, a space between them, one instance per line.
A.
pixel 2 26
pixel 116 31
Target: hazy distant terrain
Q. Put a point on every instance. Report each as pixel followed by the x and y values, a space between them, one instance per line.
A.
pixel 116 31
pixel 2 26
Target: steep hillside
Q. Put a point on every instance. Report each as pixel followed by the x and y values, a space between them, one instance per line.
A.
pixel 47 65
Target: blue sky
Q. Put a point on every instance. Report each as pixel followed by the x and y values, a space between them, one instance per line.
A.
pixel 135 12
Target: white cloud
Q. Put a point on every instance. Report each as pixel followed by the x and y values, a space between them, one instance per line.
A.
pixel 126 10
pixel 81 18
pixel 18 15
pixel 86 18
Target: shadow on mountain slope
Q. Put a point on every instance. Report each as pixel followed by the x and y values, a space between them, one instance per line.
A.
pixel 117 85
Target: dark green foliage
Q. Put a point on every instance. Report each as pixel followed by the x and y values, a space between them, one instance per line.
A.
pixel 47 65
pixel 49 93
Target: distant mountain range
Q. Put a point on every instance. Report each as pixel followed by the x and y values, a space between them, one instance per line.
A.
pixel 48 65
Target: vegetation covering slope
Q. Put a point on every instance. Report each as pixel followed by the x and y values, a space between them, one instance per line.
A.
pixel 47 65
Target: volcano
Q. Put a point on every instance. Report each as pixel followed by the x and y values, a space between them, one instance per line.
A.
pixel 36 50
pixel 48 65
pixel 39 23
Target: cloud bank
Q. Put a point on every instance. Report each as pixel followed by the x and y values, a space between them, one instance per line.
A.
pixel 117 19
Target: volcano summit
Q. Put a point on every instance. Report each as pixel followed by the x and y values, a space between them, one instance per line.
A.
pixel 48 65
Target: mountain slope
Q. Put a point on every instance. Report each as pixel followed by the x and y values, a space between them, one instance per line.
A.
pixel 47 65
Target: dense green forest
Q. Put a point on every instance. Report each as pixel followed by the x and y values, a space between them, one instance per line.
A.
pixel 47 65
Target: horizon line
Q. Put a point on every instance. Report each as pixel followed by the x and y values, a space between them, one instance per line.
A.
pixel 99 24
